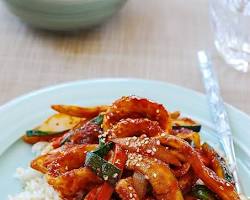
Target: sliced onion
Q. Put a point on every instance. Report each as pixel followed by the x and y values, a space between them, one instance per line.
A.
pixel 140 184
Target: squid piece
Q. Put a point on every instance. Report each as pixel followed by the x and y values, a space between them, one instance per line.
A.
pixel 74 182
pixel 135 127
pixel 82 133
pixel 224 189
pixel 217 163
pixel 192 136
pixel 140 184
pixel 180 171
pixel 148 146
pixel 150 198
pixel 178 155
pixel 135 107
pixel 189 197
pixel 203 157
pixel 175 115
pixel 187 181
pixel 76 111
pixel 164 183
pixel 126 190
pixel 63 159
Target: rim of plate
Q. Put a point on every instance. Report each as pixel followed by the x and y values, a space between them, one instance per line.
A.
pixel 35 92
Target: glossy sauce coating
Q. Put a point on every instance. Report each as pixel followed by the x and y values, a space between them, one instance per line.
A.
pixel 135 107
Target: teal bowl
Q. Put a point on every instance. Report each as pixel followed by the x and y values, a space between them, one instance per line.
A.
pixel 64 15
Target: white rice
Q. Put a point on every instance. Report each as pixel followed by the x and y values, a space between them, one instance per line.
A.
pixel 35 186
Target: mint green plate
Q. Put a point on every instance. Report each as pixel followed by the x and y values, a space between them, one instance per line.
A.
pixel 29 110
pixel 64 14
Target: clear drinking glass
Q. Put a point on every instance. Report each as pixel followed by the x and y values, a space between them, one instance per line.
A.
pixel 231 24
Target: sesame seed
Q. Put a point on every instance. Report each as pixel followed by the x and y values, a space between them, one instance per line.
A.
pixel 146 177
pixel 130 195
pixel 134 137
pixel 130 188
pixel 149 151
pixel 105 177
pixel 158 142
pixel 154 149
pixel 163 134
pixel 154 175
pixel 118 161
pixel 115 175
pixel 157 111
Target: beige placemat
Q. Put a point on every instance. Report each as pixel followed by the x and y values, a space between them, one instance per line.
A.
pixel 152 39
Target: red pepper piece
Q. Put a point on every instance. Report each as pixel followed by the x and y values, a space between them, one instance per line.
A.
pixel 105 191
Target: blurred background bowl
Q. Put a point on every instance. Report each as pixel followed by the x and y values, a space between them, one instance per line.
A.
pixel 64 14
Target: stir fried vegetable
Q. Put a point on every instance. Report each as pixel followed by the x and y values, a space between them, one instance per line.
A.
pixel 186 123
pixel 203 193
pixel 103 149
pixel 53 127
pixel 119 160
pixel 31 133
pixel 133 149
pixel 102 168
pixel 76 111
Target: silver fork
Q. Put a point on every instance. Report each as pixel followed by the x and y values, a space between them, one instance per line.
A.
pixel 219 115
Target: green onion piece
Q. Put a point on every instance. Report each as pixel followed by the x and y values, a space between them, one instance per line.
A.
pixel 31 133
pixel 66 138
pixel 195 128
pixel 98 120
pixel 103 150
pixel 102 168
pixel 203 193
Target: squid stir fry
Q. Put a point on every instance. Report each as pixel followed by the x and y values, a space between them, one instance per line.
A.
pixel 133 149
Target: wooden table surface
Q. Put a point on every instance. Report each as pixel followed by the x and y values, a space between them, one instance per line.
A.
pixel 150 39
